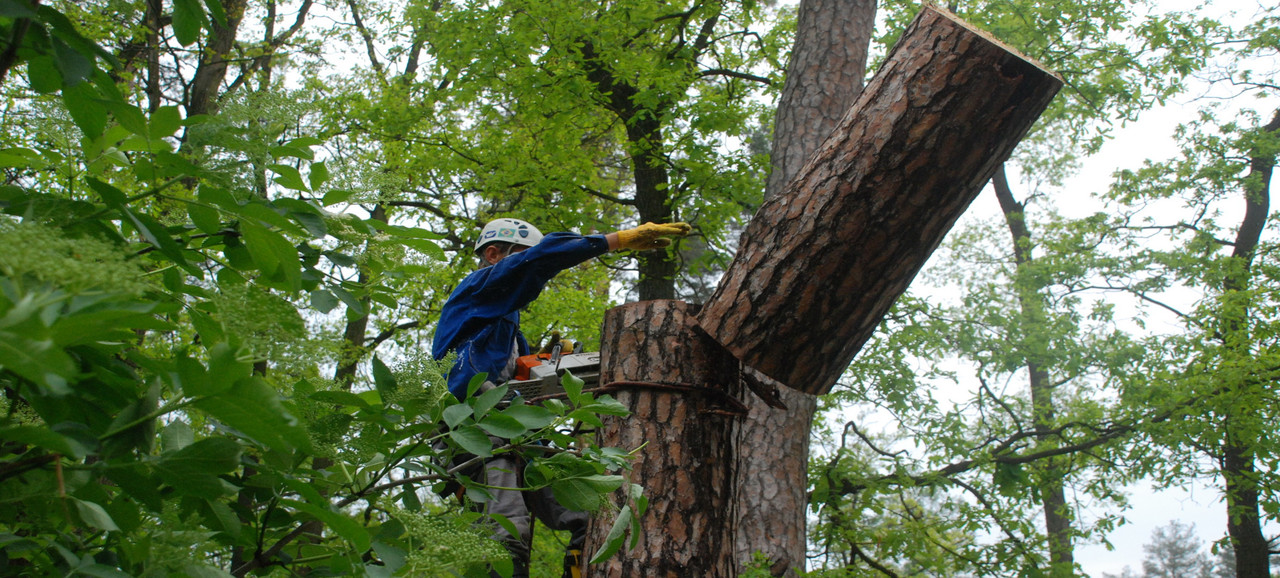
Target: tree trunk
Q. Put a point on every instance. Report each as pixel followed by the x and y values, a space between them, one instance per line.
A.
pixel 1239 473
pixel 821 264
pixel 212 70
pixel 824 77
pixel 682 390
pixel 648 165
pixel 1030 293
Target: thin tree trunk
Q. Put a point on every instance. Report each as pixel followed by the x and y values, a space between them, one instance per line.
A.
pixel 1053 499
pixel 682 390
pixel 648 167
pixel 155 9
pixel 1238 460
pixel 820 264
pixel 203 92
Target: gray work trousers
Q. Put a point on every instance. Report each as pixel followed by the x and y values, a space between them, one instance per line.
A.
pixel 520 507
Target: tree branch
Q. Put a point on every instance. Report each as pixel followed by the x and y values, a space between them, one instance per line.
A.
pixel 735 74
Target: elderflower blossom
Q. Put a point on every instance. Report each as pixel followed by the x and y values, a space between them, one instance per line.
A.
pixel 72 264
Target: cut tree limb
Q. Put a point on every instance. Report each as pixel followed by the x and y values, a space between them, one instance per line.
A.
pixel 820 264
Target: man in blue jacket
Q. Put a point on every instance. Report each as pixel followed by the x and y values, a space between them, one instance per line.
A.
pixel 480 322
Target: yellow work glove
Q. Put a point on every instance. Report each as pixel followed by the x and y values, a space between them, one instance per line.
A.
pixel 651 236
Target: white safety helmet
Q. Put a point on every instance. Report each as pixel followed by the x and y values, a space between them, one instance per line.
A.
pixel 512 231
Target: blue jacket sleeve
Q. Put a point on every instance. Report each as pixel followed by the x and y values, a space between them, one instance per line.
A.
pixel 481 319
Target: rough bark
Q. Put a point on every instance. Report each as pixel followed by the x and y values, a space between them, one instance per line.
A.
pixel 824 77
pixel 681 388
pixel 821 264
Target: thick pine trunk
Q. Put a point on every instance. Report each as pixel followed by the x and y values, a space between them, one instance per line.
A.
pixel 821 264
pixel 682 390
pixel 824 77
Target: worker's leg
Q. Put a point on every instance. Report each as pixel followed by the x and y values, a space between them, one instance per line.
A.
pixel 504 472
pixel 557 517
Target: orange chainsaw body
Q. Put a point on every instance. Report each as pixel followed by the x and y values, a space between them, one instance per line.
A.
pixel 527 362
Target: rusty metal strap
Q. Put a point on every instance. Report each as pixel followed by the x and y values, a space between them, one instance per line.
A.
pixel 732 406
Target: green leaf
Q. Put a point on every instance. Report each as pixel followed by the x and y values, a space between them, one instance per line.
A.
pixel 195 570
pixel 253 407
pixel 486 401
pixel 188 19
pixel 273 254
pixel 39 360
pixel 606 405
pixel 502 426
pixel 473 440
pixel 176 436
pixel 289 177
pixel 101 571
pixel 428 248
pixel 573 388
pixel 220 197
pixel 323 301
pixel 63 29
pixel 225 369
pixel 18 157
pixel 210 331
pixel 217 11
pixel 16 9
pixel 130 117
pixel 45 438
pixel 74 66
pixel 586 493
pixel 354 306
pixel 204 217
pixel 309 216
pixel 336 196
pixel 318 176
pixel 156 234
pixel 113 197
pixel 194 470
pixel 44 75
pixel 193 378
pixel 383 379
pixel 343 525
pixel 532 417
pixel 340 398
pixel 88 112
pixel 165 121
pixel 456 414
pixel 617 535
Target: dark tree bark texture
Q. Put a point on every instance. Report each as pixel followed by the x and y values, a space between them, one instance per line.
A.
pixel 684 392
pixel 821 264
pixel 824 77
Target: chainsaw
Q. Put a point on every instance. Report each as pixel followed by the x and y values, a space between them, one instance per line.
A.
pixel 538 374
